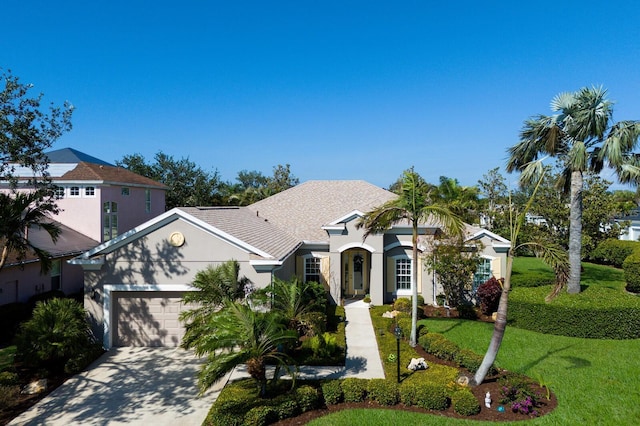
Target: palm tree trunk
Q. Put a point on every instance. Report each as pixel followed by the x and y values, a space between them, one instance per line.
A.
pixel 575 233
pixel 413 341
pixel 498 328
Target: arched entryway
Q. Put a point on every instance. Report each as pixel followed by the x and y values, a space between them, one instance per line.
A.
pixel 356 266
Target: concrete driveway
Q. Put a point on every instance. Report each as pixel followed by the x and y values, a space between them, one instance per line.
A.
pixel 133 386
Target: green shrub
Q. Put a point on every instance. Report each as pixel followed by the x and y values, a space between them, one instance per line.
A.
pixel 404 322
pixel 444 349
pixel 332 392
pixel 82 360
pixel 384 392
pixel 354 389
pixel 8 378
pixel 308 398
pixel 614 252
pixel 468 359
pixel 286 407
pixel 587 323
pixel 432 396
pixel 514 387
pixel 402 304
pixel 467 312
pixel 465 403
pixel 420 300
pixel 57 332
pixel 312 323
pixel 408 392
pixel 260 416
pixel 631 266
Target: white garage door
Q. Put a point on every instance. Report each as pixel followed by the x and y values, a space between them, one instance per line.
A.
pixel 147 318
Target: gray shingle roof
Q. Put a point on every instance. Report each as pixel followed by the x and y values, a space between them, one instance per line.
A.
pixel 70 155
pixel 305 208
pixel 243 224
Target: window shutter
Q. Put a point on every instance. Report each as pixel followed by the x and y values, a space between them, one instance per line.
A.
pixel 300 268
pixel 325 270
pixel 496 265
pixel 391 274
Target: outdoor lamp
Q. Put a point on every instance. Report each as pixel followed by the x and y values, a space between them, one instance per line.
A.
pixel 398 333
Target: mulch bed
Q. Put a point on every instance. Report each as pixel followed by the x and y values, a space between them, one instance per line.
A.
pixel 489 385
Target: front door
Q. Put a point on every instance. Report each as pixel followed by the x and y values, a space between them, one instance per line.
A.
pixel 358 278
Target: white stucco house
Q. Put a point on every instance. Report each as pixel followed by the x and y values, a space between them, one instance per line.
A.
pixel 134 282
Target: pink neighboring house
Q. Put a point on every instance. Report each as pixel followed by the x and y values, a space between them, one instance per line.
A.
pixel 98 202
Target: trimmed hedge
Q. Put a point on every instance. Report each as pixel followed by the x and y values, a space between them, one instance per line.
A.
pixel 354 389
pixel 384 392
pixel 332 392
pixel 614 252
pixel 631 266
pixel 606 323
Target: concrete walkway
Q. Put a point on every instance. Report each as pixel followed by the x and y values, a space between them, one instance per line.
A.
pixel 157 386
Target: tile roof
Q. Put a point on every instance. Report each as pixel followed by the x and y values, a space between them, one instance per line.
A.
pixel 69 243
pixel 243 224
pixel 107 174
pixel 305 208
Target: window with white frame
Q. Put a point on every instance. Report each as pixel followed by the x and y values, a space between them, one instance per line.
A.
pixel 482 274
pixel 74 191
pixel 403 273
pixel 89 191
pixel 312 269
pixel 110 220
pixel 59 192
pixel 147 200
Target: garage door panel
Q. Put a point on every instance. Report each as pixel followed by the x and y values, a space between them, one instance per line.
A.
pixel 148 319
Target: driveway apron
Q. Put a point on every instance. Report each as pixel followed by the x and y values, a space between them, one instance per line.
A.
pixel 133 386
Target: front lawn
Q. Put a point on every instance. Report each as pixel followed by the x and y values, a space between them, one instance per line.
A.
pixel 595 380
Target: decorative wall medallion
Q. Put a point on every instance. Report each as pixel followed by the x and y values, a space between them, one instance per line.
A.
pixel 176 239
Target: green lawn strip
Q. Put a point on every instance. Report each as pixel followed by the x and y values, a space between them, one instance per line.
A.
pixel 6 357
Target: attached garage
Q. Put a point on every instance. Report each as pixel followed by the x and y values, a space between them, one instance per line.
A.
pixel 147 318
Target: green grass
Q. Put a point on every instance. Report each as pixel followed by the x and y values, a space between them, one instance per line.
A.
pixel 6 357
pixel 595 380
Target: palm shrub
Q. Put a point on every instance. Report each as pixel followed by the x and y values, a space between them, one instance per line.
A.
pixel 57 332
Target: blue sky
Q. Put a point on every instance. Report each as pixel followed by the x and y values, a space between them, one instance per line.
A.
pixel 339 90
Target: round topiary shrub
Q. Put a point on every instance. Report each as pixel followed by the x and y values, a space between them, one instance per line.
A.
pixel 465 403
pixel 402 304
pixel 308 398
pixel 260 416
pixel 432 396
pixel 332 392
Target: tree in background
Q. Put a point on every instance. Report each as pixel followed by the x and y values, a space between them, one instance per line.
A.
pixel 494 189
pixel 253 186
pixel 414 205
pixel 583 138
pixel 454 262
pixel 188 184
pixel 461 200
pixel 26 131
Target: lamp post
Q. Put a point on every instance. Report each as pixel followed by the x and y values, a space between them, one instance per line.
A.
pixel 398 333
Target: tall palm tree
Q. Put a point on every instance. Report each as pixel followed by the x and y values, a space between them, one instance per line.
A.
pixel 20 211
pixel 414 205
pixel 551 254
pixel 462 200
pixel 583 138
pixel 234 335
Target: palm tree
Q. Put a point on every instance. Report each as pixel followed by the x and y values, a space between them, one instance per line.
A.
pixel 215 285
pixel 413 205
pixel 582 137
pixel 462 200
pixel 20 211
pixel 234 335
pixel 551 254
